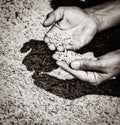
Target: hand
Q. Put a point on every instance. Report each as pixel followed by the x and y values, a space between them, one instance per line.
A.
pixel 95 71
pixel 77 22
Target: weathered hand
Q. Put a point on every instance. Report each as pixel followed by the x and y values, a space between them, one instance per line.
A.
pixel 76 22
pixel 95 71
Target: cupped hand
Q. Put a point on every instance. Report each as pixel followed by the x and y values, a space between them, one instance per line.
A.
pixel 95 71
pixel 76 22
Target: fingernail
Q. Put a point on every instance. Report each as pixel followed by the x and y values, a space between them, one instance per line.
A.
pixel 58 63
pixel 75 65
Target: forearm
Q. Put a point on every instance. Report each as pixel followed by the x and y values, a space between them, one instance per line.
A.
pixel 106 15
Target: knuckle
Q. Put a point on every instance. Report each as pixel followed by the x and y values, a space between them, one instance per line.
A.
pixel 102 64
pixel 85 65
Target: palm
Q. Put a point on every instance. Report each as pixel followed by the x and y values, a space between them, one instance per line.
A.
pixel 78 24
pixel 95 71
pixel 71 18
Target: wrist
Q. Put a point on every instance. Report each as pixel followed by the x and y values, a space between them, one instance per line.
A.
pixel 95 17
pixel 105 15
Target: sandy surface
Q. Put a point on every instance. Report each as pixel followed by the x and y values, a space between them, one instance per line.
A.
pixel 22 102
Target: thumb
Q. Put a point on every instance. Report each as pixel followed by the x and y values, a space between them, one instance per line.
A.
pixel 54 17
pixel 89 65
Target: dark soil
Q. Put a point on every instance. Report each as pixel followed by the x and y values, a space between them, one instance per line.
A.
pixel 89 3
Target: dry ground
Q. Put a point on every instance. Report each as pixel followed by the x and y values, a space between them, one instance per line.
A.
pixel 28 98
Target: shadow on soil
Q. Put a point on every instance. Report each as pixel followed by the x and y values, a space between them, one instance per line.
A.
pixel 89 3
pixel 39 59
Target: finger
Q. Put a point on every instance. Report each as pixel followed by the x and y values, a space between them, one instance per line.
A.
pixel 46 39
pixel 79 74
pixel 65 66
pixel 50 19
pixel 51 46
pixel 56 56
pixel 53 17
pixel 92 77
pixel 89 65
pixel 82 75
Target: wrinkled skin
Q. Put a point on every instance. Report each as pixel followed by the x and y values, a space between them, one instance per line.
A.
pixel 76 22
pixel 82 26
pixel 95 71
